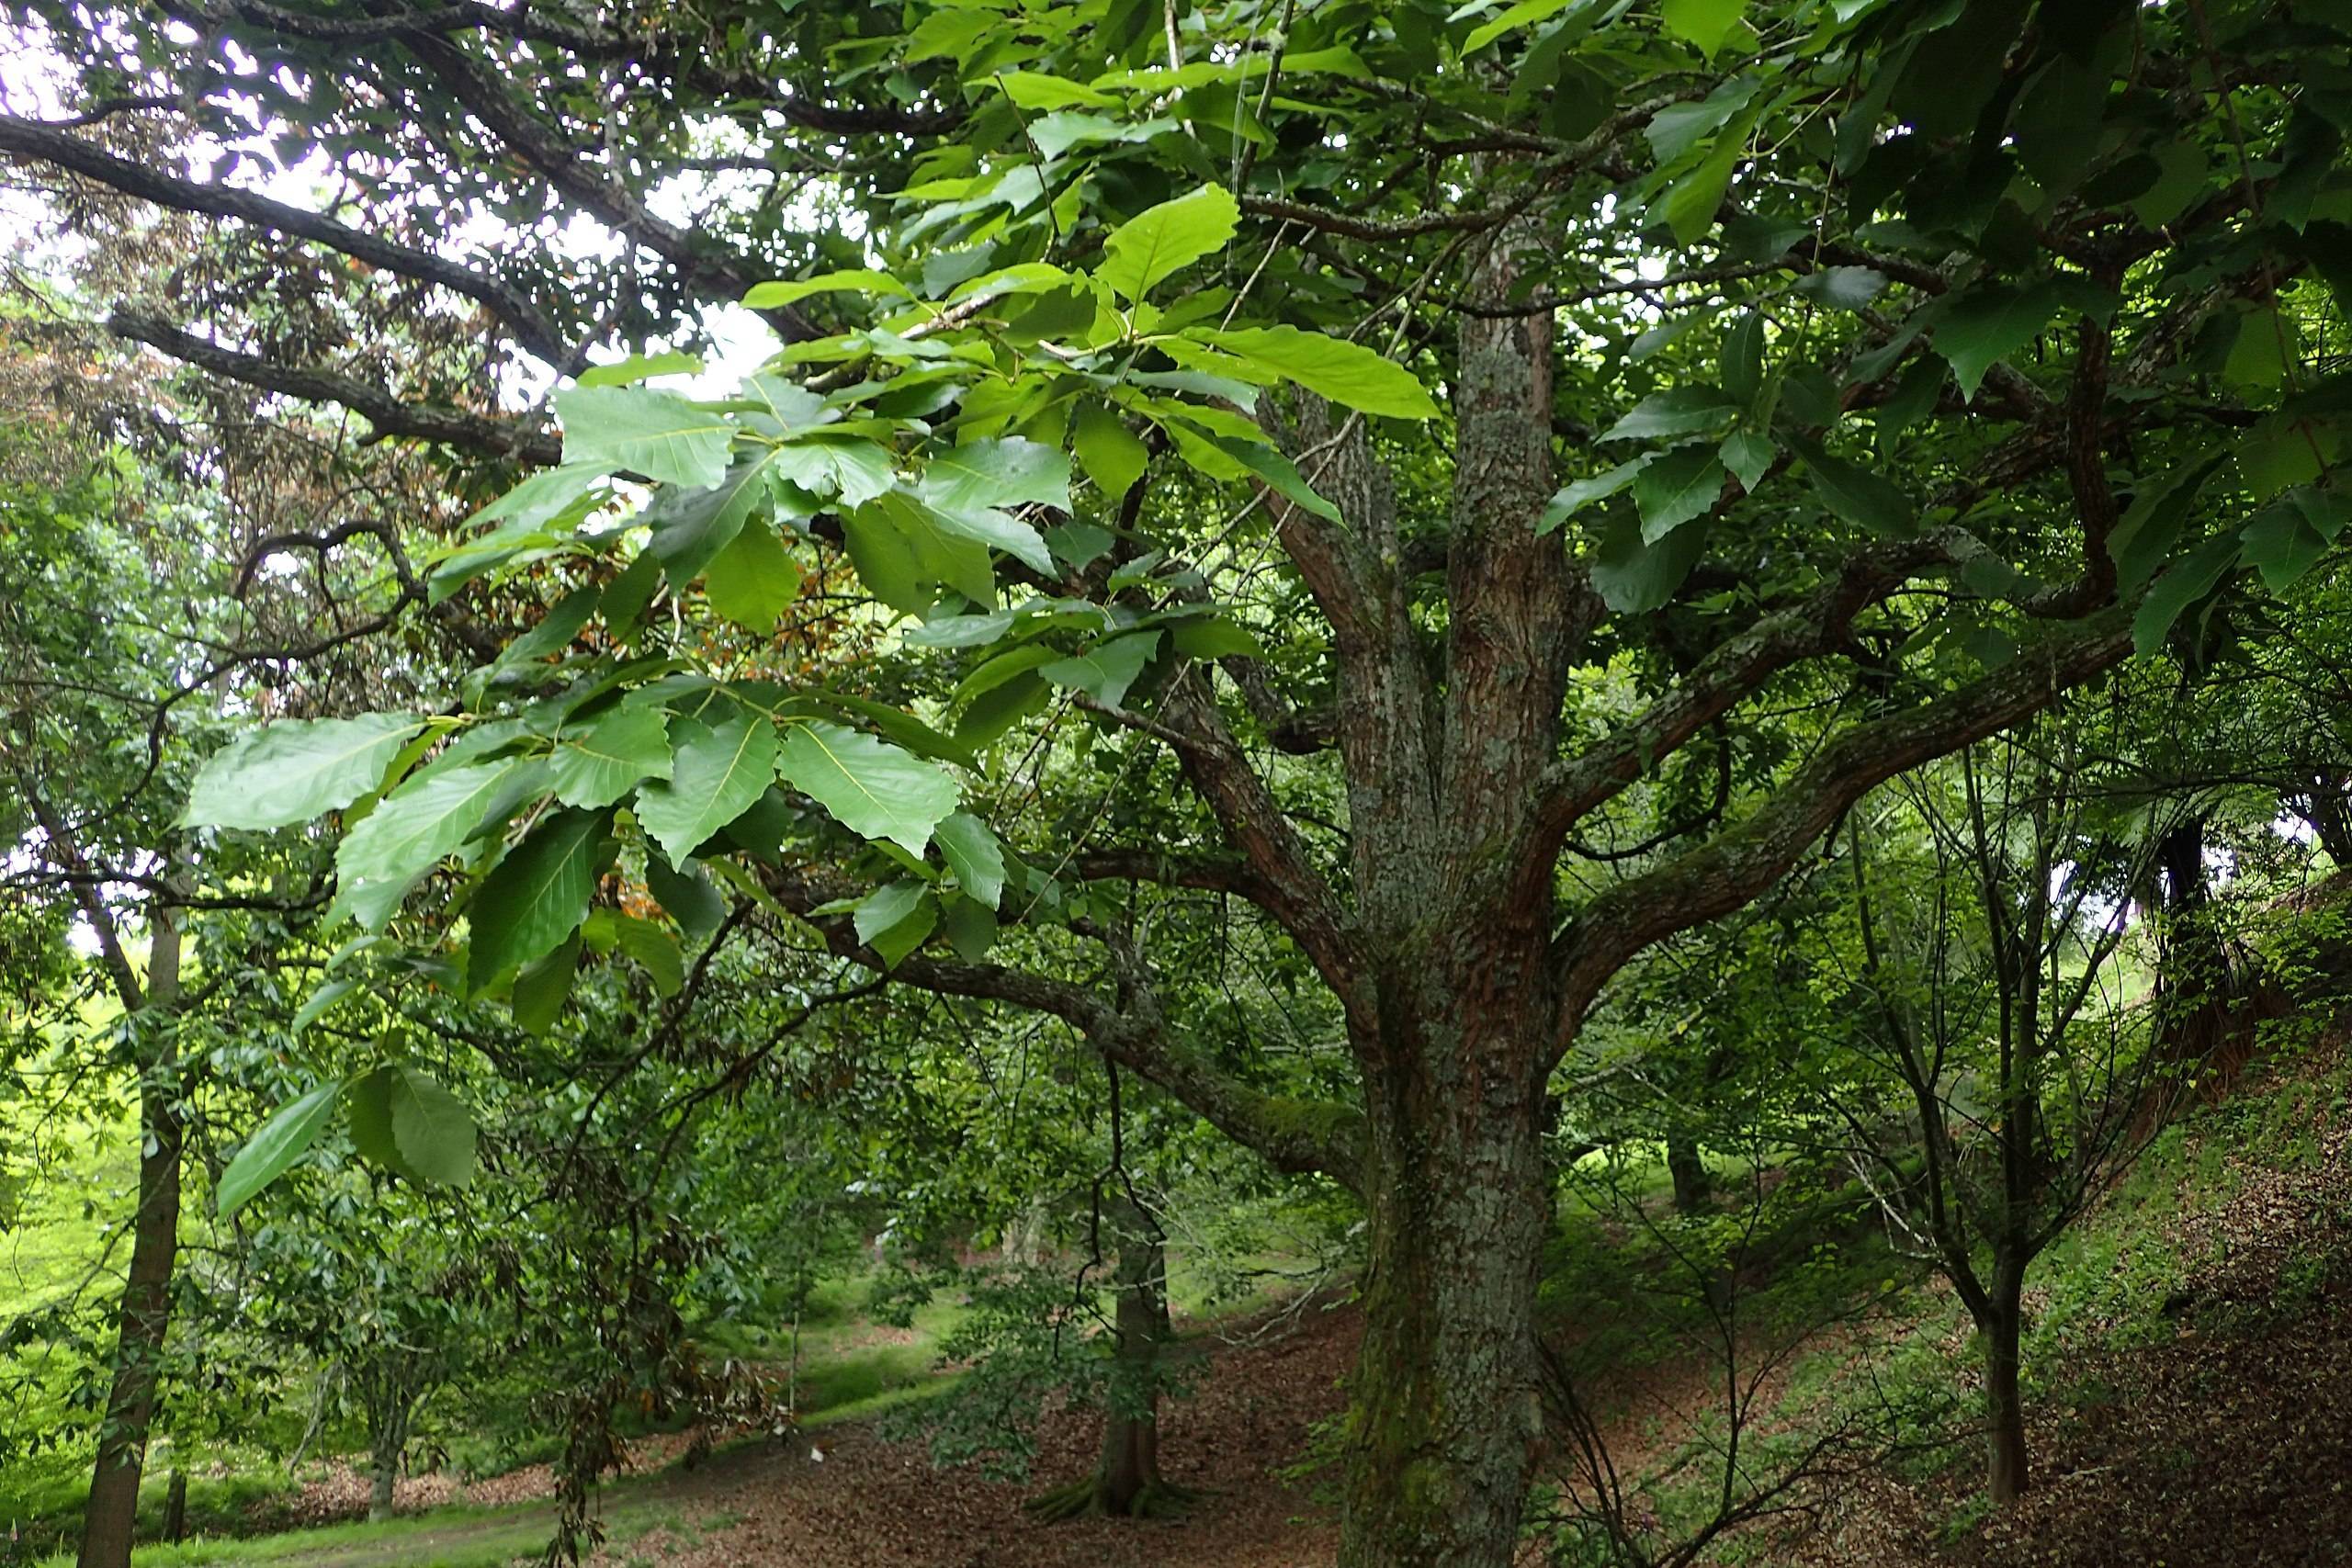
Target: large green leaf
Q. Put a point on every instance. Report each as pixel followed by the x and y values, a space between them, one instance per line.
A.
pixel 543 985
pixel 536 896
pixel 686 894
pixel 1635 578
pixel 1682 484
pixel 871 787
pixel 1706 23
pixel 430 817
pixel 692 526
pixel 1347 373
pixel 639 430
pixel 717 773
pixel 1988 324
pixel 292 772
pixel 1113 456
pixel 753 582
pixel 974 855
pixel 598 765
pixel 2184 583
pixel 1856 495
pixel 276 1145
pixel 1162 241
pixel 1105 670
pixel 405 1120
pixel 1679 410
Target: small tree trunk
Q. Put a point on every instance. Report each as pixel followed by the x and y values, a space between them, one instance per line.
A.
pixel 2006 1475
pixel 1691 1186
pixel 1126 1482
pixel 379 1495
pixel 389 1441
pixel 176 1507
pixel 145 1320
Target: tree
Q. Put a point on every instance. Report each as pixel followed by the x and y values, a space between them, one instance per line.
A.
pixel 1991 978
pixel 2054 255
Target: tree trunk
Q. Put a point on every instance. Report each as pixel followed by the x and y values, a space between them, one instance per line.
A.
pixel 1444 1411
pixel 1130 1468
pixel 1126 1482
pixel 2006 1475
pixel 145 1317
pixel 176 1507
pixel 379 1494
pixel 1691 1186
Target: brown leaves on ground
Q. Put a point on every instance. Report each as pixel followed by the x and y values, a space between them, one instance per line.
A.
pixel 869 1503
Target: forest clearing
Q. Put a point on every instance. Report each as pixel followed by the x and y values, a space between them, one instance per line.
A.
pixel 1407 784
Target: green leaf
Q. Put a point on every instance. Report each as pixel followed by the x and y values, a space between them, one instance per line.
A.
pixel 1842 288
pixel 1748 456
pixel 1856 495
pixel 543 985
pixel 1105 670
pixel 603 763
pixel 1680 410
pixel 637 429
pixel 431 1130
pixel 1989 324
pixel 971 929
pixel 1743 360
pixel 1113 456
pixel 769 296
pixel 1677 127
pixel 292 772
pixel 871 787
pixel 1213 636
pixel 753 582
pixel 1574 498
pixel 1006 472
pixel 1347 373
pixel 2184 170
pixel 1527 13
pixel 1279 473
pixel 2282 545
pixel 2152 522
pixel 1706 23
pixel 1033 90
pixel 430 817
pixel 2182 585
pixel 640 367
pixel 697 907
pixel 276 1145
pixel 974 855
pixel 885 907
pixel 692 526
pixel 1633 577
pixel 655 951
pixel 2259 354
pixel 322 1000
pixel 715 773
pixel 536 896
pixel 1682 484
pixel 1689 205
pixel 1162 241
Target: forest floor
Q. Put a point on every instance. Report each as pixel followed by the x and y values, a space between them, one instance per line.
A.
pixel 2194 1357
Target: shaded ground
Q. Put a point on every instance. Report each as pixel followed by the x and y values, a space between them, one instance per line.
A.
pixel 867 1504
pixel 2225 1444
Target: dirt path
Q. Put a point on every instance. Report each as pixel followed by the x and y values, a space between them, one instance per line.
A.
pixel 867 1504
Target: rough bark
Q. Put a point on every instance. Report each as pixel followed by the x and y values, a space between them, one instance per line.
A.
pixel 1689 1171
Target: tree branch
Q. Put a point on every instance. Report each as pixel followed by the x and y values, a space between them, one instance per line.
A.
pixel 1724 874
pixel 29 139
pixel 451 427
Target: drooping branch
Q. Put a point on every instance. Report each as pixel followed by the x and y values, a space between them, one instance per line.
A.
pixel 1720 876
pixel 1293 1135
pixel 483 433
pixel 530 327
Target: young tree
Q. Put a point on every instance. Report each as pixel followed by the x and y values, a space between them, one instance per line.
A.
pixel 1991 910
pixel 1155 248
